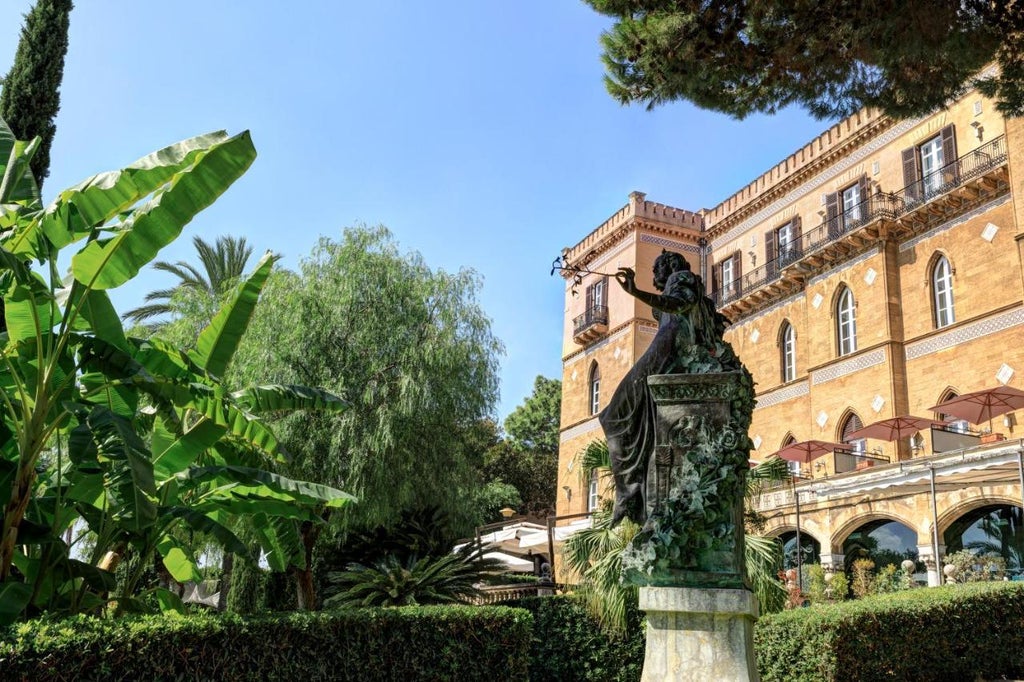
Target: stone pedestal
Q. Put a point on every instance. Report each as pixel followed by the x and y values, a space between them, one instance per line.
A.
pixel 697 634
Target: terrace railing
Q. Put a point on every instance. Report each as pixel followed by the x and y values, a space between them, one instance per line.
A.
pixel 971 165
pixel 594 315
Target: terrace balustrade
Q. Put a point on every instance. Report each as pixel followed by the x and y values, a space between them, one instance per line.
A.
pixel 800 258
pixel 591 324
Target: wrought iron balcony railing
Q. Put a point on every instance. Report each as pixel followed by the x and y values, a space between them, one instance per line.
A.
pixel 594 319
pixel 879 206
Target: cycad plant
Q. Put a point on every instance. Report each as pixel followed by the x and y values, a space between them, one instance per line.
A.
pixel 414 580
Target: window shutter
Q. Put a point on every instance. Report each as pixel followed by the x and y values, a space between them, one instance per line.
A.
pixel 948 145
pixel 590 298
pixel 865 197
pixel 911 174
pixel 832 214
pixel 737 264
pixel 769 246
pixel 716 279
pixel 797 233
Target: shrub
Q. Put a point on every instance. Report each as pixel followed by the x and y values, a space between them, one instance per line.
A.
pixel 423 643
pixel 957 632
pixel 863 577
pixel 972 568
pixel 569 645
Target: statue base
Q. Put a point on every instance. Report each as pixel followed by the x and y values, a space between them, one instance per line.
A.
pixel 698 634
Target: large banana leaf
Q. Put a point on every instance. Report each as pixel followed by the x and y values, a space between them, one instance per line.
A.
pixel 29 309
pixel 14 597
pixel 178 559
pixel 170 457
pixel 263 399
pixel 130 478
pixel 97 200
pixel 218 342
pixel 108 263
pixel 254 479
pixel 204 524
pixel 18 183
pixel 279 539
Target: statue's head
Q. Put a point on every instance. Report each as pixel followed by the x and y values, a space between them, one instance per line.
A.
pixel 665 264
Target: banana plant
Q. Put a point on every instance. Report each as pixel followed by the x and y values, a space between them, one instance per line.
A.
pixel 132 438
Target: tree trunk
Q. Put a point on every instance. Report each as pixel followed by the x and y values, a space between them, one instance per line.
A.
pixel 305 588
pixel 227 565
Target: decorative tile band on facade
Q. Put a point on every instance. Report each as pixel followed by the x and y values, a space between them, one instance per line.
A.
pixel 579 430
pixel 669 244
pixel 782 395
pixel 841 369
pixel 968 332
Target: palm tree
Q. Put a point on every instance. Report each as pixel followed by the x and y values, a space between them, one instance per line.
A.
pixel 222 263
pixel 595 553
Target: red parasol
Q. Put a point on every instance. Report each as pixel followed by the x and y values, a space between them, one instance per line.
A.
pixel 895 428
pixel 982 406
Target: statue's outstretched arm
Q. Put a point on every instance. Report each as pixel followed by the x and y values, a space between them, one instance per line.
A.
pixel 669 304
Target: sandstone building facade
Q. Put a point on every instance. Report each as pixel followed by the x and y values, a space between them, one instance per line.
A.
pixel 875 272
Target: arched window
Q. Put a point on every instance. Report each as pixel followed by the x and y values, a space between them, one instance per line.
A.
pixel 794 467
pixel 853 423
pixel 787 352
pixel 942 293
pixel 846 322
pixel 953 423
pixel 595 389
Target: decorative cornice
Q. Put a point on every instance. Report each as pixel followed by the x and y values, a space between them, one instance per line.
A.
pixel 837 168
pixel 854 364
pixel 967 332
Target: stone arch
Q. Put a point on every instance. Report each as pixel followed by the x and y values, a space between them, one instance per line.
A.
pixel 788 439
pixel 952 514
pixel 841 534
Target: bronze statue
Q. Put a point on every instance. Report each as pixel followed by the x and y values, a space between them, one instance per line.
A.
pixel 676 429
pixel 686 320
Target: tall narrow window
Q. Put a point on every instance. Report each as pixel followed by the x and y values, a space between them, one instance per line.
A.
pixel 942 293
pixel 593 498
pixel 931 162
pixel 853 423
pixel 728 274
pixel 846 322
pixel 851 204
pixel 787 345
pixel 595 389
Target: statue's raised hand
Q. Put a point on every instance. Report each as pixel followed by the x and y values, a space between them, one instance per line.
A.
pixel 627 278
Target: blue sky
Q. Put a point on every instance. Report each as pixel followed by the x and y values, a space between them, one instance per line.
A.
pixel 478 131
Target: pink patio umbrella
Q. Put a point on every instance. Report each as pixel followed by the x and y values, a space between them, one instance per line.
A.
pixel 807 451
pixel 981 406
pixel 895 428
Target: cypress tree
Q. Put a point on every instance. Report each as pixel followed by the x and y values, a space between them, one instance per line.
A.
pixel 30 98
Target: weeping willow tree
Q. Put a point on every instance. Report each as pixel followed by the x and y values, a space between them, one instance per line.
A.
pixel 595 554
pixel 411 350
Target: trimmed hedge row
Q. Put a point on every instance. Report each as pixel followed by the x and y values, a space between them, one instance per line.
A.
pixel 960 632
pixel 416 643
pixel 568 645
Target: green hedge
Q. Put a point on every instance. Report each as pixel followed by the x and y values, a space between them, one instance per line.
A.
pixel 568 645
pixel 416 643
pixel 960 632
